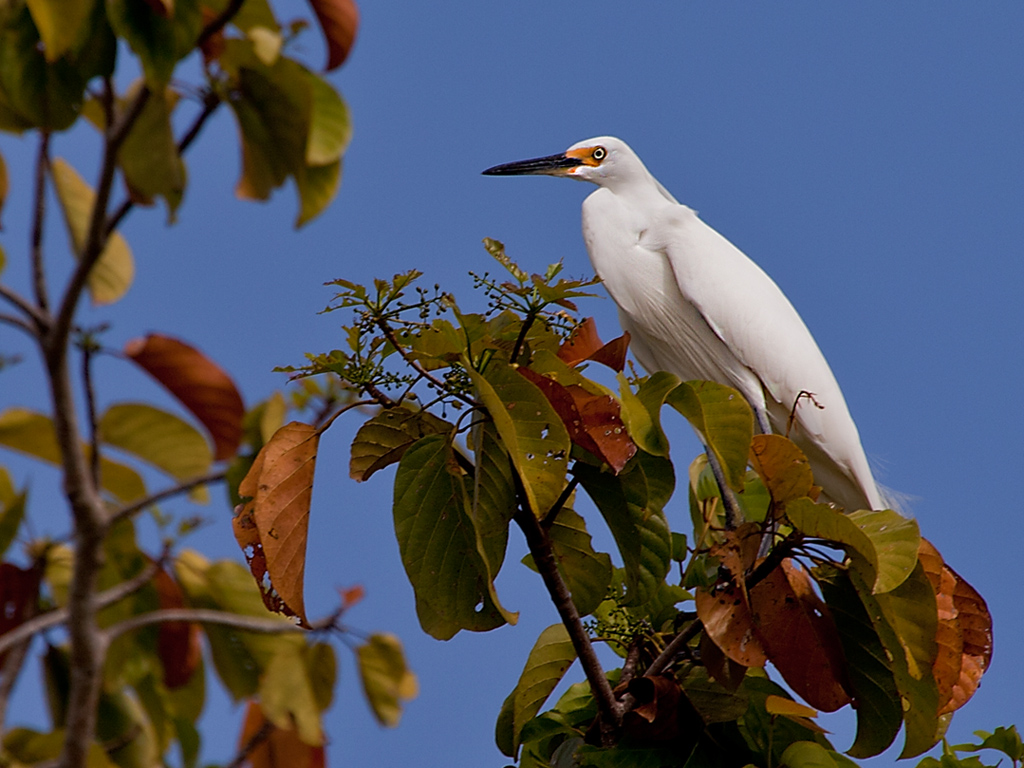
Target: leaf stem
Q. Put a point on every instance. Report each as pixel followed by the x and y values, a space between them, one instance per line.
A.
pixel 389 334
pixel 38 218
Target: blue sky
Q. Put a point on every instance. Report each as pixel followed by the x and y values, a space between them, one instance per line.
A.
pixel 867 155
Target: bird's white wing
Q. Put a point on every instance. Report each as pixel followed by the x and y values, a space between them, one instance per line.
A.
pixel 761 329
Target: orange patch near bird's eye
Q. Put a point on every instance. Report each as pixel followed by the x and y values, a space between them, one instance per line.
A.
pixel 588 155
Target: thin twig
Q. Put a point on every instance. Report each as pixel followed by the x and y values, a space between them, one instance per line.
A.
pixel 413 363
pixel 217 24
pixel 733 511
pixel 41 319
pixel 268 626
pixel 563 497
pixel 59 616
pixel 176 490
pixel 517 347
pixel 345 409
pixel 17 322
pixel 250 746
pixel 38 219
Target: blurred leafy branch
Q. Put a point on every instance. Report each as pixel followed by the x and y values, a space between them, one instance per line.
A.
pixel 122 629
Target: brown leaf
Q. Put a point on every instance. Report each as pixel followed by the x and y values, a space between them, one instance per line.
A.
pixel 655 716
pixel 594 422
pixel 198 383
pixel 271 527
pixel 782 466
pixel 964 633
pixel 339 19
pixel 722 669
pixel 725 609
pixel 584 344
pixel 19 589
pixel 801 639
pixel 178 641
pixel 268 746
pixel 351 595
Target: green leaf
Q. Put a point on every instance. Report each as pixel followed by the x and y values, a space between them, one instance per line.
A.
pixel 713 702
pixel 387 681
pixel 587 573
pixel 60 23
pixel 809 754
pixel 113 273
pixel 384 438
pixel 273 107
pixel 10 520
pixel 1005 740
pixel 896 540
pixel 876 697
pixel 330 128
pixel 547 663
pixel 317 186
pixel 530 429
pixel 494 496
pixel 7 492
pixel 322 668
pixel 724 421
pixel 632 504
pixel 642 412
pixel 149 156
pixel 919 696
pixel 33 92
pixel 157 437
pixel 825 522
pixel 439 545
pixel 159 41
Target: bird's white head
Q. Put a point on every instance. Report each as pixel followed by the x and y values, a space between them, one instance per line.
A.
pixel 603 160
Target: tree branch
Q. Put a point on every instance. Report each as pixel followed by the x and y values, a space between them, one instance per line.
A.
pixel 217 24
pixel 38 218
pixel 544 558
pixel 176 490
pixel 389 334
pixel 17 322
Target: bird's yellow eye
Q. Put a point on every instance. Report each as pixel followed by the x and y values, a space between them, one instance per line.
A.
pixel 599 153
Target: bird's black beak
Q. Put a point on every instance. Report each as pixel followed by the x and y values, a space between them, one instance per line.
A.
pixel 552 165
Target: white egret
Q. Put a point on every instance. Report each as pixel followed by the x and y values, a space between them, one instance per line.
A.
pixel 697 307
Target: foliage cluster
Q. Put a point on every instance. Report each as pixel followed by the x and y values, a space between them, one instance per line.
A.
pixel 494 419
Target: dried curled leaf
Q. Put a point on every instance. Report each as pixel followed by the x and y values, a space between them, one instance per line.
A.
pixel 272 526
pixel 584 344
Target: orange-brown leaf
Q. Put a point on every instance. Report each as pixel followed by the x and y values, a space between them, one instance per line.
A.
pixel 655 716
pixel 725 610
pixel 584 344
pixel 268 746
pixel 339 20
pixel 198 383
pixel 178 641
pixel 964 634
pixel 271 527
pixel 801 639
pixel 782 466
pixel 593 421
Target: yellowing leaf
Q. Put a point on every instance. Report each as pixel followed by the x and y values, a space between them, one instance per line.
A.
pixel 113 273
pixel 383 439
pixel 549 659
pixel 330 127
pixel 272 526
pixel 287 698
pixel 157 437
pixel 778 705
pixel 387 681
pixel 59 23
pixel 895 539
pixel 198 383
pixel 32 433
pixel 266 43
pixel 317 186
pixel 782 466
